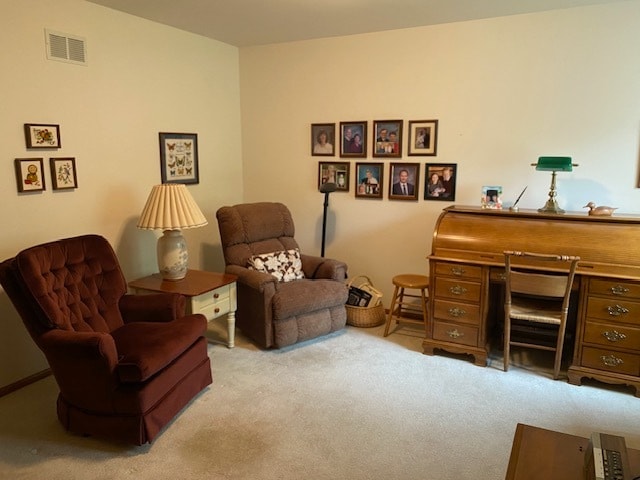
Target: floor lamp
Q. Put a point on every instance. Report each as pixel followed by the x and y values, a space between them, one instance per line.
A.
pixel 326 188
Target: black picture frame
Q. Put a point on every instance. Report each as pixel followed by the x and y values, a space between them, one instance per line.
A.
pixel 42 135
pixel 387 138
pixel 349 132
pixel 396 174
pixel 440 181
pixel 334 172
pixel 63 173
pixel 423 138
pixel 179 158
pixel 369 180
pixel 30 174
pixel 326 148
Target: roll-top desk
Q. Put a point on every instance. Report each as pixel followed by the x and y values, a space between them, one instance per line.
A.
pixel 467 256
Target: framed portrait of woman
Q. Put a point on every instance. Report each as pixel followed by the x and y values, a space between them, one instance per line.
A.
pixel 323 139
pixel 440 181
pixel 369 180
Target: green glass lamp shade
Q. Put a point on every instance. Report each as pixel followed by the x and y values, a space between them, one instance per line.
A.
pixel 554 164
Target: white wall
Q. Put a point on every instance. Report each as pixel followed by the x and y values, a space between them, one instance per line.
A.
pixel 142 78
pixel 504 90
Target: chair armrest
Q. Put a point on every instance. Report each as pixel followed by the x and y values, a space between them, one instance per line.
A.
pixel 155 307
pixel 319 267
pixel 252 278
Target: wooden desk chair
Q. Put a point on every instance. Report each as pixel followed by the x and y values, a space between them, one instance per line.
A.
pixel 538 297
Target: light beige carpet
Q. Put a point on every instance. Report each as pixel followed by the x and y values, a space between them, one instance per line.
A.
pixel 352 405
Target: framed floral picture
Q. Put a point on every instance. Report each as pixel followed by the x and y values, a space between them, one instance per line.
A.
pixel 29 174
pixel 323 139
pixel 353 139
pixel 39 135
pixel 63 173
pixel 334 172
pixel 369 180
pixel 403 181
pixel 423 137
pixel 387 139
pixel 179 158
pixel 440 181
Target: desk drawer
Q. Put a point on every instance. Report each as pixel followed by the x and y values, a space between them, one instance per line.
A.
pixel 612 335
pixel 457 289
pixel 459 270
pixel 455 333
pixel 614 310
pixel 611 361
pixel 614 289
pixel 457 312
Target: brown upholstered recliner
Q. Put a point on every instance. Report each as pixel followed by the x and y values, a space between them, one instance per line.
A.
pixel 271 312
pixel 125 364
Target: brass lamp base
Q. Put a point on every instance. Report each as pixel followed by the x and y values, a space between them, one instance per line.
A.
pixel 551 206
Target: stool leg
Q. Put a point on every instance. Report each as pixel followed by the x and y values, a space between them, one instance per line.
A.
pixel 393 305
pixel 424 307
pixel 400 305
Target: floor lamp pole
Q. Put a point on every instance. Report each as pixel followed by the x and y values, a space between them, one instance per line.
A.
pixel 326 188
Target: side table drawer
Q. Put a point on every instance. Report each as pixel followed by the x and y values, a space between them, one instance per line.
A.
pixel 612 361
pixel 212 304
pixel 450 332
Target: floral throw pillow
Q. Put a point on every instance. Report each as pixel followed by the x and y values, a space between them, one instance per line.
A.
pixel 285 265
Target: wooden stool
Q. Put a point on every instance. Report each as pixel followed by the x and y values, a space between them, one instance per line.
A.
pixel 404 311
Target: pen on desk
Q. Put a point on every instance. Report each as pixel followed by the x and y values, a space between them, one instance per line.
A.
pixel 519 197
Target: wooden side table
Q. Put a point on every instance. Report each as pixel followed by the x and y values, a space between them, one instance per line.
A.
pixel 212 294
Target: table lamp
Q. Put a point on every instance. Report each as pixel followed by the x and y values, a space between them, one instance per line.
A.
pixel 553 165
pixel 171 208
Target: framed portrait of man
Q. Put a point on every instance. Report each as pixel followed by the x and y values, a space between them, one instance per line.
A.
pixel 404 179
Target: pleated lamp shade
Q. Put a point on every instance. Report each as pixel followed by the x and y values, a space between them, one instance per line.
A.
pixel 171 208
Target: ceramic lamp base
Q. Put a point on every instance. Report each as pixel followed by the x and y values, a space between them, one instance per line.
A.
pixel 172 255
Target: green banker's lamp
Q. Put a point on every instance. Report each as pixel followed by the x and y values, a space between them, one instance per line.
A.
pixel 553 165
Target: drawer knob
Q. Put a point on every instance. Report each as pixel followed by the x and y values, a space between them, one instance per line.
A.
pixel 455 333
pixel 457 312
pixel 619 290
pixel 613 336
pixel 617 310
pixel 458 271
pixel 611 360
pixel 458 290
pixel 216 295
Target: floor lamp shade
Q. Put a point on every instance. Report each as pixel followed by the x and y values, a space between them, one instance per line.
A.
pixel 171 208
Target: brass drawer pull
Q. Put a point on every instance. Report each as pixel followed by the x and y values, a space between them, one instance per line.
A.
pixel 611 360
pixel 459 271
pixel 619 290
pixel 457 312
pixel 455 333
pixel 617 310
pixel 458 290
pixel 613 336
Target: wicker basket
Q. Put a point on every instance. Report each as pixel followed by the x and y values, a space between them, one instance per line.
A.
pixel 370 316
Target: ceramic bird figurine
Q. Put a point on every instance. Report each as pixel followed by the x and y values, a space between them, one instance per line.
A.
pixel 600 211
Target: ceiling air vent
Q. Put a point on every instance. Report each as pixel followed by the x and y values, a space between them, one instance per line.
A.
pixel 66 48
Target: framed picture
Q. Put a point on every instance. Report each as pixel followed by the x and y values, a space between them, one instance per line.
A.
pixel 323 139
pixel 63 173
pixel 423 137
pixel 334 172
pixel 179 157
pixel 491 197
pixel 38 135
pixel 353 139
pixel 404 178
pixel 387 140
pixel 369 180
pixel 29 174
pixel 440 181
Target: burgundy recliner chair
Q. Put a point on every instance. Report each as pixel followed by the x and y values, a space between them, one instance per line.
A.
pixel 125 364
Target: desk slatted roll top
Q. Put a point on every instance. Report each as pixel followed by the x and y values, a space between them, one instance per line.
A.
pixel 467 251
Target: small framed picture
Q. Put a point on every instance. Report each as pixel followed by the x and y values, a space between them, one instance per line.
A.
pixel 334 172
pixel 39 135
pixel 440 181
pixel 63 173
pixel 353 139
pixel 323 139
pixel 179 158
pixel 491 197
pixel 369 180
pixel 387 138
pixel 423 137
pixel 404 178
pixel 29 174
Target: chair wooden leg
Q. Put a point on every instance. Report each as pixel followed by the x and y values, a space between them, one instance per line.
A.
pixel 507 343
pixel 559 347
pixel 424 307
pixel 391 309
